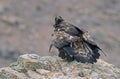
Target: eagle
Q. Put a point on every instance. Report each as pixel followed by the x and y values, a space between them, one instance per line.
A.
pixel 74 43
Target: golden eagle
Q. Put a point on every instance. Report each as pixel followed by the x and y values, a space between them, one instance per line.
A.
pixel 73 43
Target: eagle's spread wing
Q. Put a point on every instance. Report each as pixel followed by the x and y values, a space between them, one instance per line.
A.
pixel 73 44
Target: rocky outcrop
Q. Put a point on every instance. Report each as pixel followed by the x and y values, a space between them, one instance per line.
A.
pixel 32 66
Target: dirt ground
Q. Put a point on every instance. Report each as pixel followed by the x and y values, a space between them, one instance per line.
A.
pixel 26 25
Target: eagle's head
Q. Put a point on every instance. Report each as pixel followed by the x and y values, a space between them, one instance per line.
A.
pixel 58 19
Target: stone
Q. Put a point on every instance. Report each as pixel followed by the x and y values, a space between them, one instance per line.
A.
pixel 33 66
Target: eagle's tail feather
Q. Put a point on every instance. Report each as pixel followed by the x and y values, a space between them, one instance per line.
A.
pixel 51 45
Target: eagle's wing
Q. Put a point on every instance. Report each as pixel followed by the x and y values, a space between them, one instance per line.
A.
pixel 93 46
pixel 70 29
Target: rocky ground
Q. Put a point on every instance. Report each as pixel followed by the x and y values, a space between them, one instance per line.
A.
pixel 32 66
pixel 26 25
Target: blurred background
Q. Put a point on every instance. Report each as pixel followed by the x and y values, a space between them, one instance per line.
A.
pixel 26 25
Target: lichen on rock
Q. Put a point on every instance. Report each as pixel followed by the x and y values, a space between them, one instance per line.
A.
pixel 32 66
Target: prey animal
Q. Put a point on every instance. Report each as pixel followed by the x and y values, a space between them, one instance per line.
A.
pixel 73 43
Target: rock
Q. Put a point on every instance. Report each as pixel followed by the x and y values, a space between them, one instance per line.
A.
pixel 32 66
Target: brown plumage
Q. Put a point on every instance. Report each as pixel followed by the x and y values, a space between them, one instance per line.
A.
pixel 73 43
